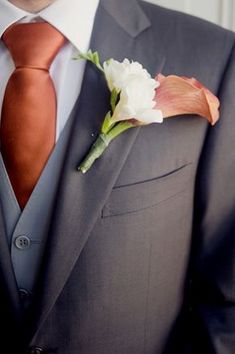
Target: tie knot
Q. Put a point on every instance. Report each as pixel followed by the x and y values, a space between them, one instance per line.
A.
pixel 33 44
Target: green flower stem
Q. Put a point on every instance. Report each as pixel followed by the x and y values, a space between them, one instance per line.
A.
pixel 119 128
pixel 101 143
pixel 107 124
pixel 114 99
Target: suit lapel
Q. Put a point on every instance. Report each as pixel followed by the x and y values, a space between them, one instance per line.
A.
pixel 81 197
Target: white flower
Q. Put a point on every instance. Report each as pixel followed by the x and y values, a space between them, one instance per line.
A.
pixel 118 74
pixel 137 102
pixel 137 92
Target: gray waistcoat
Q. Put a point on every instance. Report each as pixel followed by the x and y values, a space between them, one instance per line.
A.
pixel 27 230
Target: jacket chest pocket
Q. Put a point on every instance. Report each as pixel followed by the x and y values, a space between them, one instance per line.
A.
pixel 143 195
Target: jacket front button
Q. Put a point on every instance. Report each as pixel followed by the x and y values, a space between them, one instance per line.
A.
pixel 36 350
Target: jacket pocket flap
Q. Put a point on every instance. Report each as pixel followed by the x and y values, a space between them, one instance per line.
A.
pixel 142 195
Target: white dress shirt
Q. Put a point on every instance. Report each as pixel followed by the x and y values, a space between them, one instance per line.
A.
pixel 74 19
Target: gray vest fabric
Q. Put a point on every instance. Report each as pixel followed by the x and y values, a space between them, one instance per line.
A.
pixel 27 230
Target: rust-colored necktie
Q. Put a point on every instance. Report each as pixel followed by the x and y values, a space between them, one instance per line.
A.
pixel 28 120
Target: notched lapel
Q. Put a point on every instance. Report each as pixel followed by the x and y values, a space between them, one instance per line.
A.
pixel 127 14
pixel 82 197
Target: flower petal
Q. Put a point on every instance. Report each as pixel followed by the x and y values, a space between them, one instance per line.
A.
pixel 149 116
pixel 179 95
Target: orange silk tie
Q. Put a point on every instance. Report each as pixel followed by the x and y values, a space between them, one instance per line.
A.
pixel 28 120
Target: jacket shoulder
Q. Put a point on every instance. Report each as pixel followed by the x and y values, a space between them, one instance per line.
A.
pixel 189 27
pixel 192 46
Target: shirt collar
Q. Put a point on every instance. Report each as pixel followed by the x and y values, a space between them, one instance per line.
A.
pixel 73 18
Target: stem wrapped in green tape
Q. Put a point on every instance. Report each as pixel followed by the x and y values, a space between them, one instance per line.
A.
pixel 101 143
pixel 95 152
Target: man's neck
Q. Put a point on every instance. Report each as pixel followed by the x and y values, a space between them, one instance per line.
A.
pixel 32 6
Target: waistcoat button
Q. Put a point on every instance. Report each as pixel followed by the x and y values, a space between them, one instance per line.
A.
pixel 36 350
pixel 22 242
pixel 24 294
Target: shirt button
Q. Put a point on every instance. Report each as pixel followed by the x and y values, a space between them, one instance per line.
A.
pixel 22 242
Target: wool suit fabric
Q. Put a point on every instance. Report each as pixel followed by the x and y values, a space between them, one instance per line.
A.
pixel 140 255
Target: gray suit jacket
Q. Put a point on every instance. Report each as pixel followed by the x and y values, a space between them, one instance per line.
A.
pixel 140 257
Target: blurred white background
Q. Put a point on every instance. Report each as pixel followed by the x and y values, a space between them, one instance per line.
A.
pixel 221 12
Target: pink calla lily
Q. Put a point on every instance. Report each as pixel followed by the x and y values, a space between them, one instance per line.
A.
pixel 180 95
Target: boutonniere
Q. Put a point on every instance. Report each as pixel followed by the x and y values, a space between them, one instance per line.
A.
pixel 138 99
